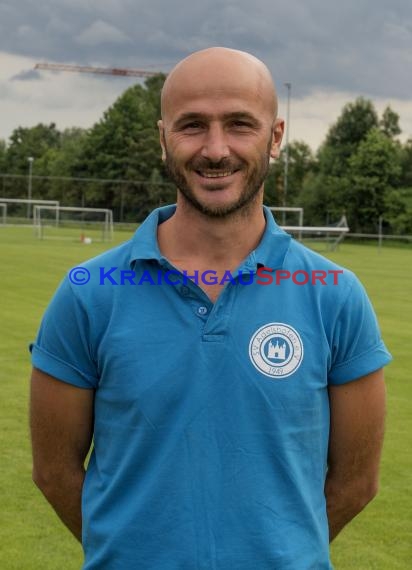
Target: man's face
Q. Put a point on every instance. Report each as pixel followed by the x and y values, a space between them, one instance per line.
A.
pixel 217 142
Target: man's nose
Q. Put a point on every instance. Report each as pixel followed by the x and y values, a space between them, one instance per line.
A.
pixel 215 146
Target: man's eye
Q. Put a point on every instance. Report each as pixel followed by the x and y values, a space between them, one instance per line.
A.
pixel 192 125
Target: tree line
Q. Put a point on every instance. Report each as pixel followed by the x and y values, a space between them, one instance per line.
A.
pixel 361 170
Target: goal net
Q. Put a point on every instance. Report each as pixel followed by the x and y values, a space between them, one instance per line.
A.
pixel 331 235
pixel 73 223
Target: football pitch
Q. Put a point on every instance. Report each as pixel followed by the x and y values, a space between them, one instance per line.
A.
pixel 32 538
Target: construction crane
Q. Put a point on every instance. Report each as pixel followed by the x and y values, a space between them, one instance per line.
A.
pixel 99 70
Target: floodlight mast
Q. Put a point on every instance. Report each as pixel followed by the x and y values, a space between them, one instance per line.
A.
pixel 121 72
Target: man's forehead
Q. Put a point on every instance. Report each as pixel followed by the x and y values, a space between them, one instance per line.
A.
pixel 213 105
pixel 218 74
pixel 216 92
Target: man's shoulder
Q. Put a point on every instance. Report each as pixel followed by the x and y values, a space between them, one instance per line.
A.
pixel 325 279
pixel 84 280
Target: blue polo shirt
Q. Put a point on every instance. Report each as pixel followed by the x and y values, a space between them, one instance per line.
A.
pixel 211 420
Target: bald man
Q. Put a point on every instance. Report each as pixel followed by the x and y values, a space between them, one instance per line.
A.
pixel 236 412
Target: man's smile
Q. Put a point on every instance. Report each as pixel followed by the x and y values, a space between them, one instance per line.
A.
pixel 215 173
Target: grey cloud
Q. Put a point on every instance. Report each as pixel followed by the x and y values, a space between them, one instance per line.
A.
pixel 100 33
pixel 27 75
pixel 363 47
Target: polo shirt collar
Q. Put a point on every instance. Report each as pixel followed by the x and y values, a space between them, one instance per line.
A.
pixel 144 241
pixel 273 246
pixel 270 252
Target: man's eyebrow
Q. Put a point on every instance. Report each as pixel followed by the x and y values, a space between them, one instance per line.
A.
pixel 233 115
pixel 242 116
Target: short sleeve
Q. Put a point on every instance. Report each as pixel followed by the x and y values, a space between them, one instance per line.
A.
pixel 63 347
pixel 357 346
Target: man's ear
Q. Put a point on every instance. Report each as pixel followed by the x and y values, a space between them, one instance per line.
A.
pixel 162 138
pixel 277 135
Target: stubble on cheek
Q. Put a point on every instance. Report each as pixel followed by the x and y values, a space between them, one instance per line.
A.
pixel 252 181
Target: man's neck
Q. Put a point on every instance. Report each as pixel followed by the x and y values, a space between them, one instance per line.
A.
pixel 189 236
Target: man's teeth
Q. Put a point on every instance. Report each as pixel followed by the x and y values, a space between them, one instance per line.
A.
pixel 217 174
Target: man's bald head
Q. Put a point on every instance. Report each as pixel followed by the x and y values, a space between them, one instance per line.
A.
pixel 217 68
pixel 219 130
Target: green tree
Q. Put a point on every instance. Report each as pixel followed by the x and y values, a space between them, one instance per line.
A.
pixel 397 213
pixel 3 155
pixel 406 165
pixel 389 123
pixel 322 198
pixel 61 162
pixel 273 195
pixel 124 145
pixel 32 142
pixel 373 170
pixel 3 161
pixel 301 164
pixel 356 165
pixel 343 138
pixel 26 142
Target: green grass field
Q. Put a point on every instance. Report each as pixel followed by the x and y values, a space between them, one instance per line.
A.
pixel 32 538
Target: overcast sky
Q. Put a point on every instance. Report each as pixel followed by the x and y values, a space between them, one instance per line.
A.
pixel 331 52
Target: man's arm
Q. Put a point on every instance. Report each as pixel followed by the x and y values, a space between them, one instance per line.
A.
pixel 61 422
pixel 357 426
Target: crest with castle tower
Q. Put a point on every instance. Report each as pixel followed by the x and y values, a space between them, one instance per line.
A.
pixel 277 350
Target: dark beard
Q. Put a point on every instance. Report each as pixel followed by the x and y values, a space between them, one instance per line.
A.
pixel 253 183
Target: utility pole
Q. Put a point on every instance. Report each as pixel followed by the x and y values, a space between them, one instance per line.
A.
pixel 29 193
pixel 285 183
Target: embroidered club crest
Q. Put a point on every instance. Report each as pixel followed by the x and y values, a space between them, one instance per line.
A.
pixel 276 350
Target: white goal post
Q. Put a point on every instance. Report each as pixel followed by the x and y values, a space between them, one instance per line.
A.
pixel 288 209
pixel 299 211
pixel 3 208
pixel 107 220
pixel 22 201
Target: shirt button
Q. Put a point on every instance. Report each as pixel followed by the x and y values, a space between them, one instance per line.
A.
pixel 202 310
pixel 185 290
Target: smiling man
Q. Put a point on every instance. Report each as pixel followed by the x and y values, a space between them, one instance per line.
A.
pixel 234 427
pixel 219 129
